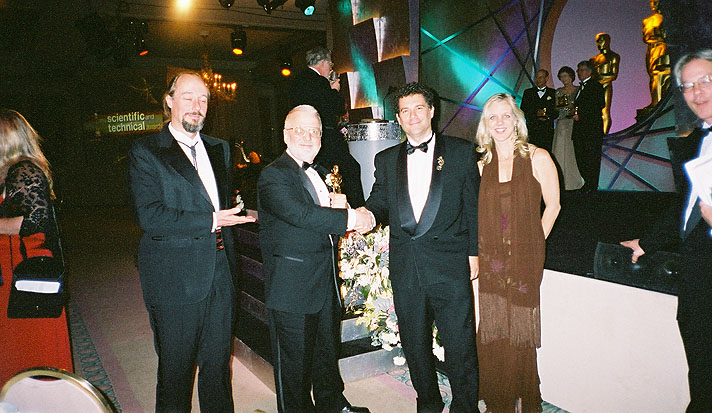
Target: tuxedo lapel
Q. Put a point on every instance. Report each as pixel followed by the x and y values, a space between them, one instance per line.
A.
pixel 432 204
pixel 174 156
pixel 405 210
pixel 303 178
pixel 217 161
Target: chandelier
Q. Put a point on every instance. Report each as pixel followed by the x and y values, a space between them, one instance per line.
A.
pixel 218 87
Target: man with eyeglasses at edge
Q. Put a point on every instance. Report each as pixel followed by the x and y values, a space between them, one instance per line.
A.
pixel 693 73
pixel 298 216
pixel 317 86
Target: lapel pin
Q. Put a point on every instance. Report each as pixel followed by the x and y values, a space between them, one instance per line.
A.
pixel 441 162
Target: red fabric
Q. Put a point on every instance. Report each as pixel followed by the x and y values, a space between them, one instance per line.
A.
pixel 28 342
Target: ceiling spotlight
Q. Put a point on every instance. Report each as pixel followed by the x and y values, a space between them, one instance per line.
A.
pixel 238 40
pixel 286 68
pixel 306 6
pixel 269 5
pixel 226 3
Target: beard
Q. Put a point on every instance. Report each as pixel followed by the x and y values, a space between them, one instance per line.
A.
pixel 193 127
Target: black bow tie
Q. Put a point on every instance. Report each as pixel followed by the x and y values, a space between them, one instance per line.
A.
pixel 542 89
pixel 409 149
pixel 306 165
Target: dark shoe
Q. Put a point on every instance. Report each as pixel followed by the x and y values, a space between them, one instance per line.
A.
pixel 355 409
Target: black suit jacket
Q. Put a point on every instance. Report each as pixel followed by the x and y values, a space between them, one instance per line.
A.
pixel 294 238
pixel 307 87
pixel 531 102
pixel 436 248
pixel 589 103
pixel 176 254
pixel 696 247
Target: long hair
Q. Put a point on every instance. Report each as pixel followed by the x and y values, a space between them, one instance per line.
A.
pixel 485 143
pixel 18 141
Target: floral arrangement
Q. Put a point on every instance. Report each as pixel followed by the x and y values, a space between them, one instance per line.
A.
pixel 367 289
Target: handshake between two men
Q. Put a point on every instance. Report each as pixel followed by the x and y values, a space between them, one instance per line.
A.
pixel 364 221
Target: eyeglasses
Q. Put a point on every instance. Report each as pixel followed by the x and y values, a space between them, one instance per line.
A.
pixel 704 82
pixel 301 131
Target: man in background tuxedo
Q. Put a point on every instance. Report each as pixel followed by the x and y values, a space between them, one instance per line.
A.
pixel 539 107
pixel 588 126
pixel 297 217
pixel 693 73
pixel 426 188
pixel 315 86
pixel 180 188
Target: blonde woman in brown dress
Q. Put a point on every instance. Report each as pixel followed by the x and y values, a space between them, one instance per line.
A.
pixel 516 176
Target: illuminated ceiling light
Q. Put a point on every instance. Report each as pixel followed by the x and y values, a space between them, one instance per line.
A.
pixel 226 3
pixel 286 68
pixel 238 40
pixel 183 5
pixel 269 5
pixel 306 6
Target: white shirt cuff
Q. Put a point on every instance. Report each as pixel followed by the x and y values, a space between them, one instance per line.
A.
pixel 215 222
pixel 351 222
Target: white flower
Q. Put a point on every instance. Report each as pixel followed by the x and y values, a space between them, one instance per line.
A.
pixel 390 338
pixel 439 351
pixel 398 360
pixel 367 289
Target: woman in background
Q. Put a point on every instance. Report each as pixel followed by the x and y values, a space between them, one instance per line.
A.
pixel 512 232
pixel 563 146
pixel 26 215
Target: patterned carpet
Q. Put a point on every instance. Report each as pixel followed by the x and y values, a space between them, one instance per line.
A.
pixel 87 361
pixel 88 364
pixel 403 375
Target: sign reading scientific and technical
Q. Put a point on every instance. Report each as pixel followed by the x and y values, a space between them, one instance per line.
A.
pixel 125 123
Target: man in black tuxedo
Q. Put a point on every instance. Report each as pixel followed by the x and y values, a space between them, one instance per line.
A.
pixel 180 188
pixel 539 107
pixel 693 73
pixel 297 219
pixel 426 188
pixel 588 126
pixel 318 86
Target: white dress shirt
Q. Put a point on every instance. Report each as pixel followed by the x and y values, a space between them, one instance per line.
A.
pixel 322 192
pixel 420 171
pixel 204 168
pixel 705 151
pixel 541 91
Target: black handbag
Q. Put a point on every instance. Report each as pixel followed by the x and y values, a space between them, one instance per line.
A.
pixel 39 273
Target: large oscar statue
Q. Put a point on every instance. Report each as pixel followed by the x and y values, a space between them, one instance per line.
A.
pixel 605 65
pixel 657 61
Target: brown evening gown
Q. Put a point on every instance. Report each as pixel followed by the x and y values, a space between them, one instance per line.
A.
pixel 511 257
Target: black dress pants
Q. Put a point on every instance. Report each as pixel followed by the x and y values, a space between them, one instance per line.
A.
pixel 186 335
pixel 587 149
pixel 305 354
pixel 450 305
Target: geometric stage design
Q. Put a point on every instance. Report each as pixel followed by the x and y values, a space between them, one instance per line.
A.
pixel 470 50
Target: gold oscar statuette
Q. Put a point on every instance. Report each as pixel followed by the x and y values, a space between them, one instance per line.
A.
pixel 333 180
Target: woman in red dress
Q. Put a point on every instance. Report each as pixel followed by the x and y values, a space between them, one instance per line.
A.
pixel 26 214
